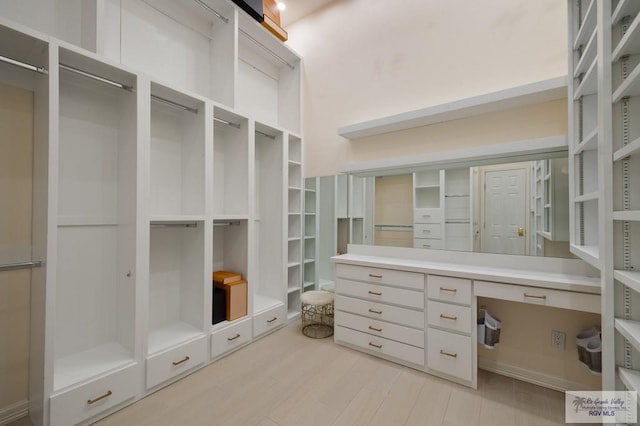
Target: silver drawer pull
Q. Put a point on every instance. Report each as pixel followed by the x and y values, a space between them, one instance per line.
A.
pixel 374 329
pixel 375 312
pixel 272 320
pixel 375 293
pixel 100 398
pixel 426 246
pixel 450 354
pixel 375 276
pixel 375 346
pixel 426 231
pixel 451 290
pixel 426 215
pixel 533 296
pixel 182 361
pixel 234 337
pixel 443 316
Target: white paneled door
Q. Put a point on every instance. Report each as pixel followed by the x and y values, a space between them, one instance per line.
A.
pixel 505 212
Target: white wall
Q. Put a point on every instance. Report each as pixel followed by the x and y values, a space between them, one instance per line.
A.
pixel 365 59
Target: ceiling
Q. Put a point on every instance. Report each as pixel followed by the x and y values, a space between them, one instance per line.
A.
pixel 297 9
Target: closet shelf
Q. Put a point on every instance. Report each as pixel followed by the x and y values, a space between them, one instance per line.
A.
pixel 308 284
pixel 627 215
pixel 630 42
pixel 263 303
pixel 625 8
pixel 590 254
pixel 629 87
pixel 230 217
pixel 589 143
pixel 170 335
pixel 91 363
pixel 629 278
pixel 293 264
pixel 592 196
pixel 630 330
pixel 589 84
pixel 528 94
pixel 87 221
pixel 588 55
pixel 176 218
pixel 630 378
pixel 291 290
pixel 630 149
pixel 587 27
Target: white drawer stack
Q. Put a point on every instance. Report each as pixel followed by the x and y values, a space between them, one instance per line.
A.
pixel 427 228
pixel 381 311
pixel 450 327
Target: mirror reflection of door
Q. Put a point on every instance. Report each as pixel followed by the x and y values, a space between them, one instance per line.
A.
pixel 16 159
pixel 504 222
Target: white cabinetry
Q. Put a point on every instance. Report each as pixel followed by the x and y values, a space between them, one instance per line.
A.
pixel 139 196
pixel 311 234
pixel 392 303
pixel 427 209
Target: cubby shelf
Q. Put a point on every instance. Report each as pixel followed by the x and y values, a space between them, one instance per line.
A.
pixel 630 43
pixel 590 142
pixel 629 278
pixel 627 215
pixel 588 56
pixel 587 27
pixel 624 8
pixel 630 330
pixel 590 254
pixel 630 378
pixel 630 149
pixel 592 196
pixel 170 335
pixel 588 85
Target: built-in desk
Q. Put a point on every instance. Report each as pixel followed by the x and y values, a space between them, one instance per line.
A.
pixel 419 307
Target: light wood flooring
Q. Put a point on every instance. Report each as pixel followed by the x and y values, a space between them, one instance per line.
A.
pixel 289 379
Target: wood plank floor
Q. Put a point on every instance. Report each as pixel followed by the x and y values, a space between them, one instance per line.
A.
pixel 289 379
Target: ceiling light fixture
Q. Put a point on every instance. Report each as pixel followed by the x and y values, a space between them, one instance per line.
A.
pixel 281 6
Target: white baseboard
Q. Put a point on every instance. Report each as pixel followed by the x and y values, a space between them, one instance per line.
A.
pixel 14 412
pixel 530 376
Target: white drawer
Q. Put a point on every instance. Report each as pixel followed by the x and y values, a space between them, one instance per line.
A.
pixel 268 320
pixel 91 399
pixel 173 362
pixel 427 215
pixel 381 293
pixel 539 296
pixel 449 317
pixel 380 346
pixel 427 243
pixel 427 230
pixel 230 337
pixel 399 333
pixel 380 311
pixel 414 280
pixel 449 289
pixel 449 353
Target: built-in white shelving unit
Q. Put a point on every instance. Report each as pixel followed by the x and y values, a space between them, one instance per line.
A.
pixel 150 172
pixel 311 234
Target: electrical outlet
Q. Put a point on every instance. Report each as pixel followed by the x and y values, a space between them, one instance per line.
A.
pixel 558 339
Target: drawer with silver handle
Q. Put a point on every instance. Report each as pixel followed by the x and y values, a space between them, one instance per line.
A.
pixel 380 293
pixel 231 337
pixel 379 311
pixel 449 317
pixel 449 289
pixel 380 346
pixel 449 353
pixel 427 243
pixel 427 215
pixel 412 280
pixel 399 333
pixel 171 363
pixel 427 230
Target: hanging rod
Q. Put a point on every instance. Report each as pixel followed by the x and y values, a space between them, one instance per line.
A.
pixel 174 225
pixel 39 70
pixel 457 221
pixel 227 223
pixel 266 135
pixel 228 123
pixel 97 78
pixel 213 11
pixel 21 265
pixel 266 49
pixel 456 196
pixel 174 104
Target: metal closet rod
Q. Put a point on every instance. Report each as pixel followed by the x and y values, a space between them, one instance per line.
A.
pixel 174 104
pixel 228 123
pixel 39 70
pixel 226 223
pixel 174 225
pixel 213 11
pixel 96 77
pixel 21 265
pixel 266 135
pixel 266 49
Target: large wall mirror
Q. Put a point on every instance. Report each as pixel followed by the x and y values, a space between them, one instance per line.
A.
pixel 518 207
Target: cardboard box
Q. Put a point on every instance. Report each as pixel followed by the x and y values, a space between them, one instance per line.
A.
pixel 235 297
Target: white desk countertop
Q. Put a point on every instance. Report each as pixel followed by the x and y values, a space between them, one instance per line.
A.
pixel 552 280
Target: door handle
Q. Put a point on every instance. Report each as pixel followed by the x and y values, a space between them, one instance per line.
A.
pixel 520 231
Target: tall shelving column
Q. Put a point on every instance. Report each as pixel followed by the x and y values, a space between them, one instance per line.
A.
pixel 428 202
pixel 622 25
pixel 295 239
pixel 311 203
